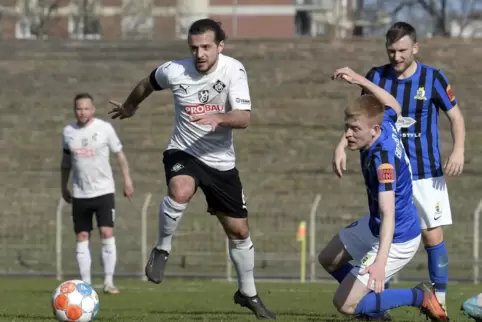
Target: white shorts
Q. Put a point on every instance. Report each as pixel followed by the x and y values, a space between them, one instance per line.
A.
pixel 432 200
pixel 363 248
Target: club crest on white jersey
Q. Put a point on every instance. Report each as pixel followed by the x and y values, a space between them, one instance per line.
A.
pixel 224 90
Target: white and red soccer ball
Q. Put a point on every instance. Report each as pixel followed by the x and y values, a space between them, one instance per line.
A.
pixel 75 300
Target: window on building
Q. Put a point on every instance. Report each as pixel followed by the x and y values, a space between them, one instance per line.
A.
pixel 31 17
pixel 137 20
pixel 84 23
pixel 84 27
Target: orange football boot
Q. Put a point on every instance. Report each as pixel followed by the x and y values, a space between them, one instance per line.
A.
pixel 430 305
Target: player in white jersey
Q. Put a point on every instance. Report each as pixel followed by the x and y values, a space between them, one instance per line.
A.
pixel 86 145
pixel 211 97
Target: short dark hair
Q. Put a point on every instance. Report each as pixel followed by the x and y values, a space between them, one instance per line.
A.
pixel 80 96
pixel 399 30
pixel 204 25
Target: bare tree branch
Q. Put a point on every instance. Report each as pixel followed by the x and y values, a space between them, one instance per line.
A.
pixel 402 5
pixel 137 18
pixel 40 16
pixel 430 8
pixel 464 19
pixel 439 15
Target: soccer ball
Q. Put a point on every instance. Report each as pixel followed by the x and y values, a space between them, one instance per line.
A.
pixel 75 300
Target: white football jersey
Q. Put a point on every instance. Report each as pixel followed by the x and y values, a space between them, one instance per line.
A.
pixel 89 149
pixel 223 90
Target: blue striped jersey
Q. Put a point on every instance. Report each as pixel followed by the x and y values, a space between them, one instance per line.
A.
pixel 421 96
pixel 386 167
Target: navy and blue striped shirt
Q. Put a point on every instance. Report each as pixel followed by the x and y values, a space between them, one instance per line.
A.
pixel 421 96
pixel 386 167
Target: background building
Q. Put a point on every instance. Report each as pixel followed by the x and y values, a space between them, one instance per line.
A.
pixel 167 19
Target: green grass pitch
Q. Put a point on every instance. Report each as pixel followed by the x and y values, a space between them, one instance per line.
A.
pixel 28 299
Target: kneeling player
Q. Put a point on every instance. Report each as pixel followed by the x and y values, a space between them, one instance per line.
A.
pixel 385 240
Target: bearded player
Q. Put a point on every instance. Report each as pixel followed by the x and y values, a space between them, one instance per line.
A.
pixel 211 97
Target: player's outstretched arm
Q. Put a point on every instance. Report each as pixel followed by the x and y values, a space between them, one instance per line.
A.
pixel 157 80
pixel 142 90
pixel 382 95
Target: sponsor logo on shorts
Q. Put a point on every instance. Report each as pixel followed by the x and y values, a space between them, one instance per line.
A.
pixel 365 260
pixel 353 224
pixel 203 109
pixel 177 167
pixel 438 211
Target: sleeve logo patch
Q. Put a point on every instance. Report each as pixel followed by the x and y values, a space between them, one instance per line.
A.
pixel 450 93
pixel 386 173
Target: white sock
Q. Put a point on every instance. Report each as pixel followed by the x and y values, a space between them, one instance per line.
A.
pixel 242 255
pixel 440 297
pixel 84 260
pixel 170 214
pixel 109 259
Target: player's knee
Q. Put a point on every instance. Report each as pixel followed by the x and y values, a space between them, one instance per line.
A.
pixel 181 189
pixel 235 228
pixel 181 193
pixel 83 236
pixel 238 232
pixel 106 232
pixel 238 235
pixel 342 306
pixel 181 196
pixel 346 309
pixel 432 236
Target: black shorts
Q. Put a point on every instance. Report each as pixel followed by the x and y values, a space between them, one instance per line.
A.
pixel 223 189
pixel 83 210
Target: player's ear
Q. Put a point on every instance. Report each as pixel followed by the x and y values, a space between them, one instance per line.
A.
pixel 375 130
pixel 220 46
pixel 415 48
